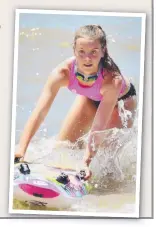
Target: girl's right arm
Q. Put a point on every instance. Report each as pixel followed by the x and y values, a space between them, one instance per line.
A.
pixel 57 79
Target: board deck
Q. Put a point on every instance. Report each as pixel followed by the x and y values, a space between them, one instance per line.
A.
pixel 44 185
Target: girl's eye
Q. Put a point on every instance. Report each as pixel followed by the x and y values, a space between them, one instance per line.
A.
pixel 94 52
pixel 81 51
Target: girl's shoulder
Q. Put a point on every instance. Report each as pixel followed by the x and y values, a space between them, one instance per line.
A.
pixel 66 64
pixel 62 71
pixel 114 80
pixel 110 77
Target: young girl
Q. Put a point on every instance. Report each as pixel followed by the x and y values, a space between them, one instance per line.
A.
pixel 99 85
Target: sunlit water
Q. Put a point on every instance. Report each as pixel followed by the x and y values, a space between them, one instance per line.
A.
pixel 114 167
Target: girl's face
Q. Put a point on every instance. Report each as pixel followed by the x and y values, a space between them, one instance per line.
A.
pixel 88 53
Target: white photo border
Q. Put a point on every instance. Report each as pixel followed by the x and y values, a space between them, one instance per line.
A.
pixel 13 125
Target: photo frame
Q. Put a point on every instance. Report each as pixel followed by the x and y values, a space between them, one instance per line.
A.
pixel 40 34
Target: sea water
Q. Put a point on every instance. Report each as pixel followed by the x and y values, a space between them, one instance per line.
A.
pixel 41 47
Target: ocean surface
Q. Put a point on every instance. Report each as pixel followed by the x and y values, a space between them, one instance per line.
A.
pixel 45 41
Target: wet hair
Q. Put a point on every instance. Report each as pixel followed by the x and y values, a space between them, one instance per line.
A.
pixel 97 33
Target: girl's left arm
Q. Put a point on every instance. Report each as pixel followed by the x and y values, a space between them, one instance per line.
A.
pixel 110 92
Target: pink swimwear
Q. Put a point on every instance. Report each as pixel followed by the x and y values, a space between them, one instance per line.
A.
pixel 92 92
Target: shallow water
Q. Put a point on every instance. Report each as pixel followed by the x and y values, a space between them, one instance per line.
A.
pixel 113 172
pixel 113 168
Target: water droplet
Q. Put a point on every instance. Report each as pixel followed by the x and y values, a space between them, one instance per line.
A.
pixel 33 29
pixel 134 178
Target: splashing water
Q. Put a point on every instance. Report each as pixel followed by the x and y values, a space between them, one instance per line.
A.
pixel 114 164
pixel 124 114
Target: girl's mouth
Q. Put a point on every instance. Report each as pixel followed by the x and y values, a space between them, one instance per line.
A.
pixel 87 65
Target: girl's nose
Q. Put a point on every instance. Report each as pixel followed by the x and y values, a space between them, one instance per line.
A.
pixel 87 57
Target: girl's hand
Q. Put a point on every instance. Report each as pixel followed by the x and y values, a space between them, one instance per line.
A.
pixel 18 154
pixel 88 173
pixel 86 162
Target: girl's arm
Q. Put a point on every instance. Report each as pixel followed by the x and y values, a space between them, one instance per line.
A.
pixel 110 92
pixel 56 80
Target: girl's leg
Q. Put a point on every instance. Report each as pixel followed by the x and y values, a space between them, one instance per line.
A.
pixel 81 116
pixel 78 120
pixel 116 122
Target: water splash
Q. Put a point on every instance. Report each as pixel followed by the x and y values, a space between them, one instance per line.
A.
pixel 114 164
pixel 124 114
